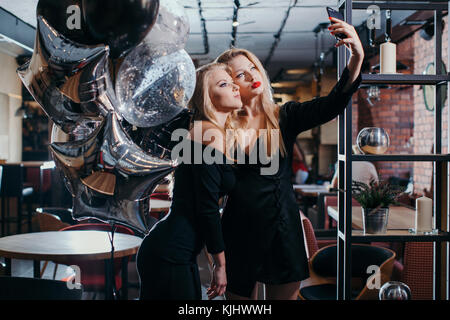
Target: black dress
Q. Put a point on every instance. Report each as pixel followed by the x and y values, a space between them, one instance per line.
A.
pixel 261 222
pixel 166 260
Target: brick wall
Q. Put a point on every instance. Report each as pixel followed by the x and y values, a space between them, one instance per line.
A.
pixel 394 112
pixel 401 112
pixel 424 119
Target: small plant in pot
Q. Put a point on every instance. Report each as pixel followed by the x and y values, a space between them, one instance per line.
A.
pixel 375 200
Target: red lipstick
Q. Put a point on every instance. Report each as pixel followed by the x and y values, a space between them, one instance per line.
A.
pixel 256 84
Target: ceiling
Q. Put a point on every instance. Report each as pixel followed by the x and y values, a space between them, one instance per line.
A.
pixel 298 45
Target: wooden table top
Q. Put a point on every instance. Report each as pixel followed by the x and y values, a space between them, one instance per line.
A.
pixel 157 205
pixel 399 217
pixel 59 246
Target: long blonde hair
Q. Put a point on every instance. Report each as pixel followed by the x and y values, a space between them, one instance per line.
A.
pixel 201 103
pixel 270 108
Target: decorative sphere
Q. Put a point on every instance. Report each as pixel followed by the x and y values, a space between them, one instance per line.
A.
pixel 395 290
pixel 373 140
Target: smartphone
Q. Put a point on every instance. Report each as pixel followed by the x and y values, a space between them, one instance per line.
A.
pixel 336 14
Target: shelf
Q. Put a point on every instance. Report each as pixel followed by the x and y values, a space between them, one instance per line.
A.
pixel 397 157
pixel 404 79
pixel 397 235
pixel 398 5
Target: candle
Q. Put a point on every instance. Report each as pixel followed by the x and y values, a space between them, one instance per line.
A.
pixel 388 57
pixel 424 214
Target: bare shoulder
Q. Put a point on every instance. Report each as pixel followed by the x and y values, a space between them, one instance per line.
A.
pixel 207 133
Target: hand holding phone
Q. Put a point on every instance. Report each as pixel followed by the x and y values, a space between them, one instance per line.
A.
pixel 336 14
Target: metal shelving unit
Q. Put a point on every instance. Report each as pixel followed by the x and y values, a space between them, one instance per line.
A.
pixel 345 235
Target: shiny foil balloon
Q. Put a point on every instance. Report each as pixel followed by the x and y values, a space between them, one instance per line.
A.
pixel 70 81
pixel 109 176
pixel 171 31
pixel 121 24
pixel 152 87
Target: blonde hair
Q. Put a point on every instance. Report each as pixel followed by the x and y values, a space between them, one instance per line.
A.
pixel 201 103
pixel 270 108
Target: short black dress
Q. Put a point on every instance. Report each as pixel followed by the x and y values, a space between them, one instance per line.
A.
pixel 261 223
pixel 166 260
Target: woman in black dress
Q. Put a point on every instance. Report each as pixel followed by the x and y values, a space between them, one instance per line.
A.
pixel 261 222
pixel 166 260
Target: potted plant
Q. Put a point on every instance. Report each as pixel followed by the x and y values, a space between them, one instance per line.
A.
pixel 375 200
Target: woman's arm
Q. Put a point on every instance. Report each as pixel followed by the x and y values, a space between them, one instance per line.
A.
pixel 304 116
pixel 353 43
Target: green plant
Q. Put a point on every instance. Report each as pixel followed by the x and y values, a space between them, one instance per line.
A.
pixel 376 194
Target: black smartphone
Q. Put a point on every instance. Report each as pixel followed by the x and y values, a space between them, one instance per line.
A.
pixel 336 14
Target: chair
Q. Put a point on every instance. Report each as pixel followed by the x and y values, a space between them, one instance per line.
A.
pixel 13 187
pixel 93 272
pixel 64 214
pixel 311 242
pixel 17 288
pixel 49 222
pixel 418 269
pixel 321 285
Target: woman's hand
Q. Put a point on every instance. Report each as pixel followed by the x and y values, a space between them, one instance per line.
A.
pixel 352 42
pixel 218 283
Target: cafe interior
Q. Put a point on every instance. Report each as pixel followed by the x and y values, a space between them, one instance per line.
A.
pixel 393 137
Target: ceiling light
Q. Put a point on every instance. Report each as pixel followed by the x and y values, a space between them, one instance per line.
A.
pixel 297 71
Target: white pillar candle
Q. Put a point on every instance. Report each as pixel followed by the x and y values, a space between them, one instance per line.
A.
pixel 388 57
pixel 424 214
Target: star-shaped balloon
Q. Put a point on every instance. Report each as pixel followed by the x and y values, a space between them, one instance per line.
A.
pixel 110 177
pixel 70 81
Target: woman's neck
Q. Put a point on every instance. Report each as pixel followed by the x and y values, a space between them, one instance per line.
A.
pixel 252 106
pixel 221 118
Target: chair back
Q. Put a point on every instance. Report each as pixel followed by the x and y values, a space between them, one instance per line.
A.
pixel 418 269
pixel 12 180
pixel 99 227
pixel 309 235
pixel 19 288
pixel 324 265
pixel 50 222
pixel 64 214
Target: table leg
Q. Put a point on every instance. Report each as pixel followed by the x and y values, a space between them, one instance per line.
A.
pixel 36 268
pixel 8 267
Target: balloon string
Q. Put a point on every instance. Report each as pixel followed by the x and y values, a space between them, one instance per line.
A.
pixel 111 239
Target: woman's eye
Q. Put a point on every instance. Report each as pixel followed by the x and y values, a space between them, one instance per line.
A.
pixel 253 68
pixel 222 85
pixel 239 75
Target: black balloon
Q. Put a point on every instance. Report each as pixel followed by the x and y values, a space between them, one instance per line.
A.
pixel 66 16
pixel 121 24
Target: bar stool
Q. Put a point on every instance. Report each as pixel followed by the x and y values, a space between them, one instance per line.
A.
pixel 12 187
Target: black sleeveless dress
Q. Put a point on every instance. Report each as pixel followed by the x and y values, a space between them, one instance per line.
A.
pixel 166 260
pixel 261 222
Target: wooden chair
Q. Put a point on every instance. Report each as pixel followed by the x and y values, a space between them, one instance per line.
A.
pixel 49 222
pixel 321 285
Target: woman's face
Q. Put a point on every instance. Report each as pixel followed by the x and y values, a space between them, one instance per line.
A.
pixel 224 94
pixel 246 76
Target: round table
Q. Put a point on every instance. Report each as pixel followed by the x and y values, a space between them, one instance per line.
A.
pixel 60 246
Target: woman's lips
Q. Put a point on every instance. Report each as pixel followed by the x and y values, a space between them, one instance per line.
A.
pixel 256 84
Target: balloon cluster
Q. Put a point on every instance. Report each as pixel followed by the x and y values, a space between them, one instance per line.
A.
pixel 114 78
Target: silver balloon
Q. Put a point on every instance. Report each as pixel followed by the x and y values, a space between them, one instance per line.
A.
pixel 171 30
pixel 373 140
pixel 395 290
pixel 153 87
